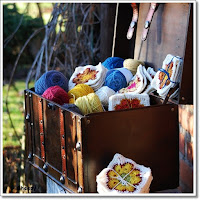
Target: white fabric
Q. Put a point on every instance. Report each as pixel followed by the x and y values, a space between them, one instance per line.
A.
pixel 54 188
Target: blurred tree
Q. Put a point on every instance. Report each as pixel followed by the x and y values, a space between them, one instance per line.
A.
pixel 11 21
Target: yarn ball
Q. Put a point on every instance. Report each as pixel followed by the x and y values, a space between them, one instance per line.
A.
pixel 79 91
pixel 117 79
pixel 72 107
pixel 51 78
pixel 89 104
pixel 56 94
pixel 104 93
pixel 132 65
pixel 113 62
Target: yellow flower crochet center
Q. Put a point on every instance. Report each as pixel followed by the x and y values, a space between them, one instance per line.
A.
pixel 123 178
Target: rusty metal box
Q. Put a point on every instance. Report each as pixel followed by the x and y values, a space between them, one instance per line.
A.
pixel 72 149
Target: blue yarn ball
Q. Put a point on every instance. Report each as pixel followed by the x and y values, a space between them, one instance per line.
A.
pixel 51 78
pixel 113 62
pixel 72 107
pixel 115 80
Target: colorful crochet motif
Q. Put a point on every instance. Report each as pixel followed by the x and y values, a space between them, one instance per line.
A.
pixel 84 77
pixel 123 177
pixel 129 103
pixel 164 80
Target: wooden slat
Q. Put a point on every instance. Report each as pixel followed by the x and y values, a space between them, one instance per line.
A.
pixel 52 136
pixel 167 34
pixel 70 133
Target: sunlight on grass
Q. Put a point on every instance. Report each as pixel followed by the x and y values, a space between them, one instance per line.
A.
pixel 16 107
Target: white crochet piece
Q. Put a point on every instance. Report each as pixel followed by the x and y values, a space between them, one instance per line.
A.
pixel 95 81
pixel 116 100
pixel 137 83
pixel 123 175
pixel 151 71
pixel 173 65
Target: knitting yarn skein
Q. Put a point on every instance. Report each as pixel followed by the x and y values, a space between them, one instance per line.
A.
pixel 72 107
pixel 79 91
pixel 89 104
pixel 56 94
pixel 132 65
pixel 104 93
pixel 51 78
pixel 118 78
pixel 113 62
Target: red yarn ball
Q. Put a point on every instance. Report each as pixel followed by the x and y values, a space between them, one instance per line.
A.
pixel 56 94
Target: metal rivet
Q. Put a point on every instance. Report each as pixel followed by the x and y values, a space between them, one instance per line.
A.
pixel 63 147
pixel 30 156
pixel 28 117
pixel 45 167
pixel 41 121
pixel 63 136
pixel 78 146
pixel 74 149
pixel 43 158
pixel 40 100
pixel 64 156
pixel 183 98
pixel 79 189
pixel 26 93
pixel 42 143
pixel 88 121
pixel 41 133
pixel 30 95
pixel 62 179
pixel 172 109
pixel 64 172
pixel 31 123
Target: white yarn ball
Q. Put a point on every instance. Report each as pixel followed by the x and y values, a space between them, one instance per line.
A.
pixel 104 93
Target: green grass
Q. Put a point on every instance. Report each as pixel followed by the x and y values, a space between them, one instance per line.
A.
pixel 16 108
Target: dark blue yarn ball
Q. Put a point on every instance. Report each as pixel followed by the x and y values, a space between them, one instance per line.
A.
pixel 51 78
pixel 115 80
pixel 72 107
pixel 113 62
